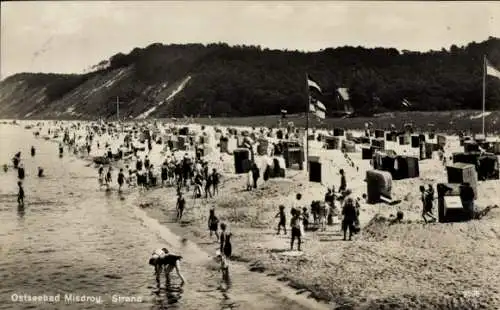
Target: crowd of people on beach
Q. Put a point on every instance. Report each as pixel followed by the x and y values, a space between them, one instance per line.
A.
pixel 192 177
pixel 191 174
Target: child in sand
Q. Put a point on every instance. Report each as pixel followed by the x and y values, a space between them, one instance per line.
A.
pixel 282 216
pixel 427 198
pixel 297 229
pixel 349 217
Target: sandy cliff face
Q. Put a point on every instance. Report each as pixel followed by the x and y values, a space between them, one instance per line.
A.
pixel 94 97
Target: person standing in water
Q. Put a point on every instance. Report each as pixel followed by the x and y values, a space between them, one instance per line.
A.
pixel 224 267
pixel 20 194
pixel 225 241
pixel 121 180
pixel 40 172
pixel 33 151
pixel 181 204
pixel 108 178
pixel 61 150
pixel 20 172
pixel 16 160
pixel 213 224
pixel 101 176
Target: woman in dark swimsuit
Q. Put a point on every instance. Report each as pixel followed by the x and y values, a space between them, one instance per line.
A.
pixel 225 241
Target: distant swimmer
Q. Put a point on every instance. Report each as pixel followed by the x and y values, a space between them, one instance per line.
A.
pixel 33 151
pixel 161 259
pixel 16 159
pixel 20 194
pixel 40 172
pixel 20 172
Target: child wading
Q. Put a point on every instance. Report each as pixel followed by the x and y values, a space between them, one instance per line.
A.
pixel 108 178
pixel 282 216
pixel 20 172
pixel 121 180
pixel 181 204
pixel 213 224
pixel 224 267
pixel 20 194
pixel 225 241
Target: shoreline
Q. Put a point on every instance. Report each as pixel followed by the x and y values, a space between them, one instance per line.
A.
pixel 434 264
pixel 181 230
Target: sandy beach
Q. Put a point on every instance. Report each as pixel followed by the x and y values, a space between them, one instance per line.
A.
pixel 407 265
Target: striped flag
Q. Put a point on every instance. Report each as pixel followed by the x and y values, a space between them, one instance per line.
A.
pixel 406 103
pixel 313 85
pixel 315 106
pixel 491 70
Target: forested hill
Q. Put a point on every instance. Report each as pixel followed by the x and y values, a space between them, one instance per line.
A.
pixel 220 80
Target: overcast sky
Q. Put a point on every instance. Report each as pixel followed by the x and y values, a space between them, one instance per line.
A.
pixel 71 36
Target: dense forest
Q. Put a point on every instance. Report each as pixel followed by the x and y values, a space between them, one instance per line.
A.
pixel 250 80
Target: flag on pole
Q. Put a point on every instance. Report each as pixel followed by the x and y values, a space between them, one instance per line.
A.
pixel 406 103
pixel 491 70
pixel 317 107
pixel 313 85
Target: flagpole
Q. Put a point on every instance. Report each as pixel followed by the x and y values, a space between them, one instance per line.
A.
pixel 117 109
pixel 484 90
pixel 307 123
